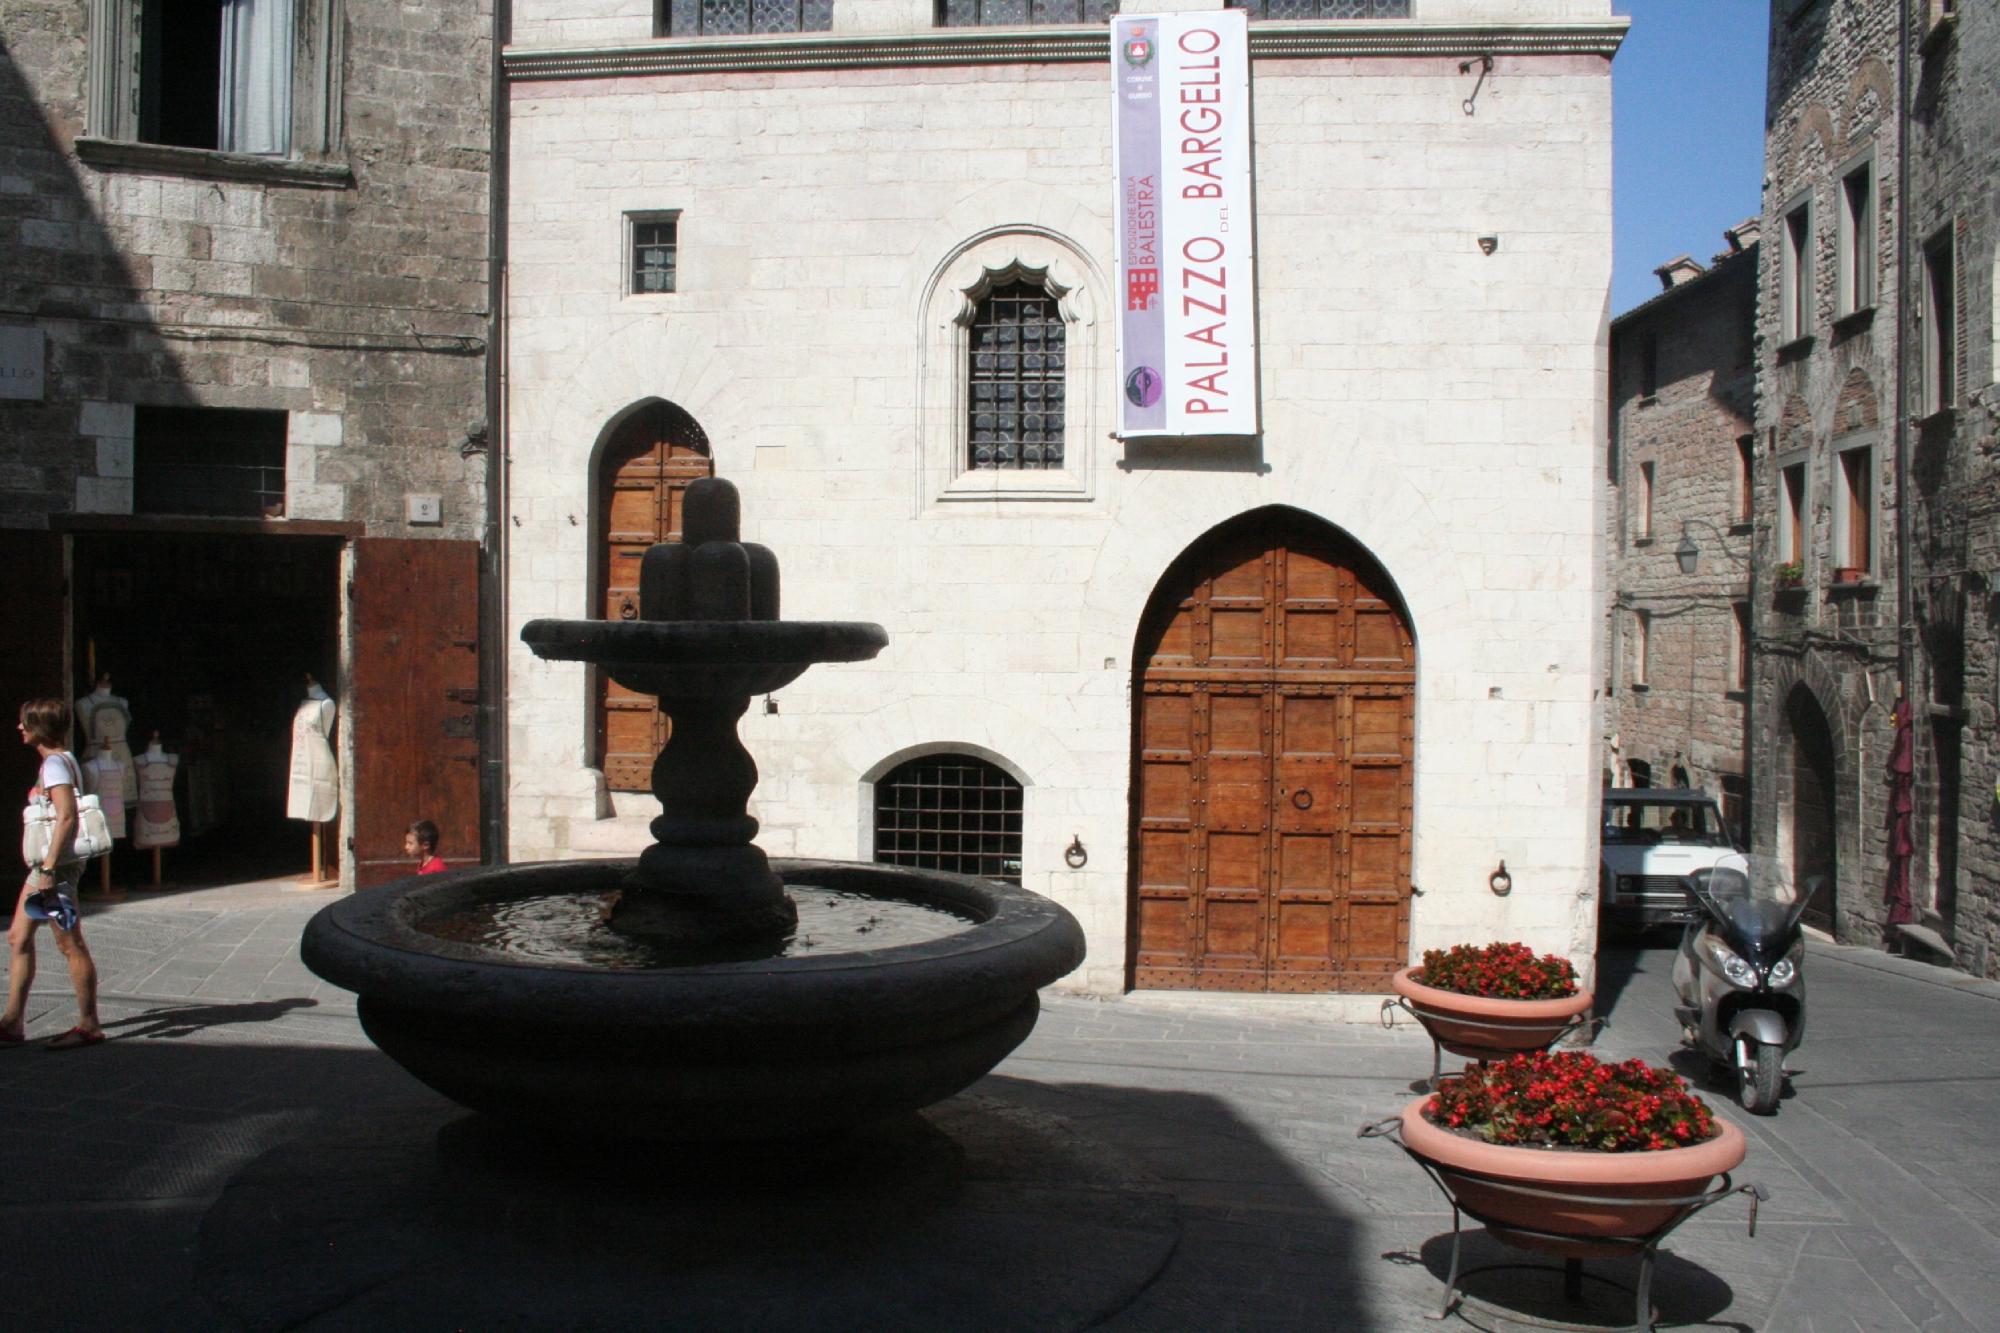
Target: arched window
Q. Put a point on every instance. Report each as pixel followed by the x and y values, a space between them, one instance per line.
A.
pixel 1014 365
pixel 950 812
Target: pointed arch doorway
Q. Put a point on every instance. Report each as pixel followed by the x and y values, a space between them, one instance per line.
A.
pixel 1811 825
pixel 643 472
pixel 1273 765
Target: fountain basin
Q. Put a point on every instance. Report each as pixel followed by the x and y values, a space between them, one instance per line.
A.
pixel 774 1047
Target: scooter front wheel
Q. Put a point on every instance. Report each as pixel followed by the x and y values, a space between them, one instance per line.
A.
pixel 1760 1076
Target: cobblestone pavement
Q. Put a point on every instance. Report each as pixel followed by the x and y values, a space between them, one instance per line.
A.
pixel 1886 1194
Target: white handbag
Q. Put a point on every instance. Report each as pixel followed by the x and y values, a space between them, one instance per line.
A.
pixel 92 836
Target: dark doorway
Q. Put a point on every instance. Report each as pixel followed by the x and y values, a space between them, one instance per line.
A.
pixel 1812 810
pixel 1945 747
pixel 210 636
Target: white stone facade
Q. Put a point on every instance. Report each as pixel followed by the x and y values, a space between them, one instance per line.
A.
pixel 1441 405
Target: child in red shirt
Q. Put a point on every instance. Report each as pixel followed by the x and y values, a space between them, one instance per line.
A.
pixel 421 842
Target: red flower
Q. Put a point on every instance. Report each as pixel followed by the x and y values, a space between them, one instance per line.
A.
pixel 1572 1099
pixel 1506 971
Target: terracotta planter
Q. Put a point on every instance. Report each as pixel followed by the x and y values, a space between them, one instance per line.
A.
pixel 1482 1029
pixel 1634 1181
pixel 1848 574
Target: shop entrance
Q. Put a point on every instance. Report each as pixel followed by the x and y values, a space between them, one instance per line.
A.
pixel 210 636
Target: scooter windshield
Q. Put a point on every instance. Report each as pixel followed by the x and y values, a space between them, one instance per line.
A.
pixel 1752 895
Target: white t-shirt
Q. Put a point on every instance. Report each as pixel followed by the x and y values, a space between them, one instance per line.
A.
pixel 60 770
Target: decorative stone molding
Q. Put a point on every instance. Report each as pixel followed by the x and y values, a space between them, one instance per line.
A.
pixel 1045 46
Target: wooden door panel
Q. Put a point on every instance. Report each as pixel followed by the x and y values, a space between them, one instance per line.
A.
pixel 642 483
pixel 415 691
pixel 1272 797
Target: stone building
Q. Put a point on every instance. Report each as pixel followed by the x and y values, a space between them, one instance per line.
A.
pixel 244 318
pixel 1874 546
pixel 1267 713
pixel 1683 390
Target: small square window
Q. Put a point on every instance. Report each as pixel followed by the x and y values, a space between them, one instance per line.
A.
pixel 653 260
pixel 208 462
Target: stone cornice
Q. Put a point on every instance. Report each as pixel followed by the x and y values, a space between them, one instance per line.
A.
pixel 1044 46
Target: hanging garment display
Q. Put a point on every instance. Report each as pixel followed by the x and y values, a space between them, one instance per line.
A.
pixel 104 778
pixel 105 719
pixel 155 823
pixel 315 784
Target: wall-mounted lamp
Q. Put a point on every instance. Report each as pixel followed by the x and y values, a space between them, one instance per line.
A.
pixel 1500 881
pixel 1488 244
pixel 1074 856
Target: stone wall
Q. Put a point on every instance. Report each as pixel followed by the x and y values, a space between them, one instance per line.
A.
pixel 1954 517
pixel 1440 404
pixel 1693 347
pixel 1831 101
pixel 347 286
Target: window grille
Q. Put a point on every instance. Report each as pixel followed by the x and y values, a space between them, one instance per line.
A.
pixel 655 252
pixel 1015 377
pixel 208 461
pixel 1323 9
pixel 950 812
pixel 1022 13
pixel 735 18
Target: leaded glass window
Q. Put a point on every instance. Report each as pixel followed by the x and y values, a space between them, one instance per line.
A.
pixel 1323 9
pixel 735 18
pixel 1014 358
pixel 950 812
pixel 1022 13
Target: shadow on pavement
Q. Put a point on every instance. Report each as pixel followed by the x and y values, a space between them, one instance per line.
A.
pixel 184 1020
pixel 277 1184
pixel 1502 1286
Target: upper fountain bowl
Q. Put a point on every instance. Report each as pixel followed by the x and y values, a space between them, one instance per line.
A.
pixel 704 659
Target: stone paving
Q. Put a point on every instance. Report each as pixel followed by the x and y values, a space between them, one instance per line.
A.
pixel 1886 1194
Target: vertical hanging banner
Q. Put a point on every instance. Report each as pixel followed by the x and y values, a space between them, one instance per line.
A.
pixel 1187 329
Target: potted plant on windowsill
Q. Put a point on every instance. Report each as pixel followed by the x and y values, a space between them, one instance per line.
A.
pixel 1490 1001
pixel 1790 575
pixel 1555 1150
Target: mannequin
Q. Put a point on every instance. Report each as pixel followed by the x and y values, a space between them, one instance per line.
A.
pixel 314 793
pixel 104 718
pixel 104 778
pixel 156 823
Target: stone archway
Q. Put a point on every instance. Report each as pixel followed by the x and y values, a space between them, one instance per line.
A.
pixel 1273 754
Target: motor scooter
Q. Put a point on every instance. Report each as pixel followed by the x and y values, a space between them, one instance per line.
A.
pixel 1739 975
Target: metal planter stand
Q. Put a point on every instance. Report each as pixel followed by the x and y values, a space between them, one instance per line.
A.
pixel 1646 1246
pixel 1585 1023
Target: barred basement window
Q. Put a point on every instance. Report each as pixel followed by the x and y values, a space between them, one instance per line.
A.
pixel 1022 13
pixel 734 18
pixel 655 249
pixel 1014 360
pixel 950 812
pixel 208 461
pixel 1323 9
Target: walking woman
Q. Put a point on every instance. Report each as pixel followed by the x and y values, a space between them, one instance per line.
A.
pixel 50 892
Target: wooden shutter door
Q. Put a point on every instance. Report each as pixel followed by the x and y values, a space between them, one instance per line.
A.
pixel 415 701
pixel 643 481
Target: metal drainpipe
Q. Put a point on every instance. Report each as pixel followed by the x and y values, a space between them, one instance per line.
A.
pixel 492 566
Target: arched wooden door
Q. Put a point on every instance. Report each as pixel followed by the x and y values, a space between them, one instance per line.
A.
pixel 1274 734
pixel 642 476
pixel 1812 806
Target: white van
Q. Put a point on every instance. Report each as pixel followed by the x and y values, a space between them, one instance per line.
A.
pixel 1654 838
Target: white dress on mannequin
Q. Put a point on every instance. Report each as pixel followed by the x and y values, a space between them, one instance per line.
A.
pixel 156 823
pixel 104 719
pixel 315 786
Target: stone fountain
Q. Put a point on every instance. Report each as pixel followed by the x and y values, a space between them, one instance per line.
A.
pixel 681 995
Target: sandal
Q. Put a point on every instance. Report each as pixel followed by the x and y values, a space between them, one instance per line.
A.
pixel 14 1039
pixel 73 1039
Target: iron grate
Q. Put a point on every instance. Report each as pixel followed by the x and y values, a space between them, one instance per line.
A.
pixel 950 812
